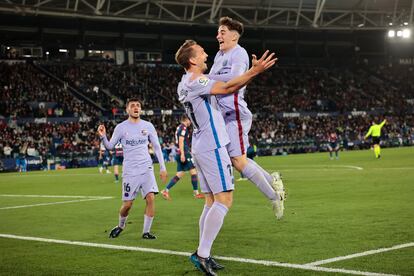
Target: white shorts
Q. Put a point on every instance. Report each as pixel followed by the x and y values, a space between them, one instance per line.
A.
pixel 145 183
pixel 238 132
pixel 214 171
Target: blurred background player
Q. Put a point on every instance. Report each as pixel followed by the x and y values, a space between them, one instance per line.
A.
pixel 375 132
pixel 333 145
pixel 231 61
pixel 135 135
pixel 117 159
pixel 183 159
pixel 103 159
pixel 21 161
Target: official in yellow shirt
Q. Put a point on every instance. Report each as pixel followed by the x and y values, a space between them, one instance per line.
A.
pixel 375 132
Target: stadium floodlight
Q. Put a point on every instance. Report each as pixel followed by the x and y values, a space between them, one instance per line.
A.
pixel 391 33
pixel 405 23
pixel 406 33
pixel 63 50
pixel 399 33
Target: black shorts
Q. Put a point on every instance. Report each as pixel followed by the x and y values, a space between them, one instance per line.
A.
pixel 375 140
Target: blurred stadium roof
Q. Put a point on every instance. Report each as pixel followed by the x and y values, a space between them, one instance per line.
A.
pixel 282 14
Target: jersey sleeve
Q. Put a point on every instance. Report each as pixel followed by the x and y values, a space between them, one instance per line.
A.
pixel 116 136
pixel 202 86
pixel 369 132
pixel 153 138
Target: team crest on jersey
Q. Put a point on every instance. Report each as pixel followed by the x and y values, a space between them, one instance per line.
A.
pixel 144 132
pixel 203 81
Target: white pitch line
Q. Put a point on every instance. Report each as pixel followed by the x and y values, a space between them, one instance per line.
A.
pixel 57 196
pixel 50 203
pixel 317 167
pixel 179 253
pixel 365 253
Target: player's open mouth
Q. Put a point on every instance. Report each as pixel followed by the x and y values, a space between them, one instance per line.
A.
pixel 221 42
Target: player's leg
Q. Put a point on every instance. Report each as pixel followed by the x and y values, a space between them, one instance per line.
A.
pixel 149 216
pixel 148 189
pixel 166 192
pixel 215 167
pixel 337 152
pixel 130 187
pixel 194 183
pixel 330 151
pixel 116 171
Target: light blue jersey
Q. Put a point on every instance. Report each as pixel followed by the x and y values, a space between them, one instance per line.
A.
pixel 135 138
pixel 204 113
pixel 227 66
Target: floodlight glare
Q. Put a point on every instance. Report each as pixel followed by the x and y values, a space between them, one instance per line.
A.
pixel 399 33
pixel 391 33
pixel 406 33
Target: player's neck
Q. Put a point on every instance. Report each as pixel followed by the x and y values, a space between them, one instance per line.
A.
pixel 134 120
pixel 195 71
pixel 230 48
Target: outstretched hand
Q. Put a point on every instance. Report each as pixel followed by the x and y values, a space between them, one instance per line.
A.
pixel 101 130
pixel 264 63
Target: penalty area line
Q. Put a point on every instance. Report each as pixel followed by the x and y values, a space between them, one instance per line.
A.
pixel 179 253
pixel 361 254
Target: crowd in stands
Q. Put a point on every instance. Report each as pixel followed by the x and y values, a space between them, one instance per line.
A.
pixel 27 92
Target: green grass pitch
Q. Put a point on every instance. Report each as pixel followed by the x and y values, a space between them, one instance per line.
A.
pixel 334 208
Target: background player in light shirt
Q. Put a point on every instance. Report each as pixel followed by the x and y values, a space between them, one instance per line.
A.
pixel 138 174
pixel 232 61
pixel 183 159
pixel 196 92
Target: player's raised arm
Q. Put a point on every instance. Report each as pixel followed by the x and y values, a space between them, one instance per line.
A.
pixel 158 152
pixel 258 66
pixel 114 139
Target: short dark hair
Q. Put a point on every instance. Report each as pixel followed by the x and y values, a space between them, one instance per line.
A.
pixel 184 53
pixel 134 100
pixel 232 24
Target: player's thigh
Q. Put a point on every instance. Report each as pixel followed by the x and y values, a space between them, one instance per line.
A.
pixel 148 184
pixel 130 187
pixel 238 132
pixel 217 170
pixel 201 178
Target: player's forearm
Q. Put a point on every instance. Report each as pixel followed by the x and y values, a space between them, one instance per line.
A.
pixel 181 144
pixel 238 82
pixel 236 70
pixel 158 153
pixel 108 144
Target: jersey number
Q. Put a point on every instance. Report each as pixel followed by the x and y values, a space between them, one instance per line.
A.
pixel 126 187
pixel 190 112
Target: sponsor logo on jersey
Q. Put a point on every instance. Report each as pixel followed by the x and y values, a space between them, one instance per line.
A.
pixel 203 81
pixel 134 142
pixel 144 132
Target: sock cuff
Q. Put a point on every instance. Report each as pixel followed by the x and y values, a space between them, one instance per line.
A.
pixel 176 178
pixel 207 207
pixel 220 207
pixel 249 170
pixel 148 217
pixel 194 177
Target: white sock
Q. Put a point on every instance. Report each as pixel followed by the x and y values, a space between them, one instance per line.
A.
pixel 202 219
pixel 122 221
pixel 147 224
pixel 212 225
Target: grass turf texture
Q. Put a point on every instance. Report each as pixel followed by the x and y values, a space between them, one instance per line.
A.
pixel 332 210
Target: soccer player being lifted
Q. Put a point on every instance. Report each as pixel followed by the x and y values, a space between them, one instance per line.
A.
pixel 375 132
pixel 183 159
pixel 197 93
pixel 231 61
pixel 138 174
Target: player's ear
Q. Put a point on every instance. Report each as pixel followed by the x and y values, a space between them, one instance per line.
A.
pixel 192 61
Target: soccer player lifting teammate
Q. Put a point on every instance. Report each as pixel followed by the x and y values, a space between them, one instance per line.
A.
pixel 197 93
pixel 183 159
pixel 232 61
pixel 138 174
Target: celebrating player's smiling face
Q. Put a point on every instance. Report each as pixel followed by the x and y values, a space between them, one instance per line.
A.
pixel 200 57
pixel 226 38
pixel 134 109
